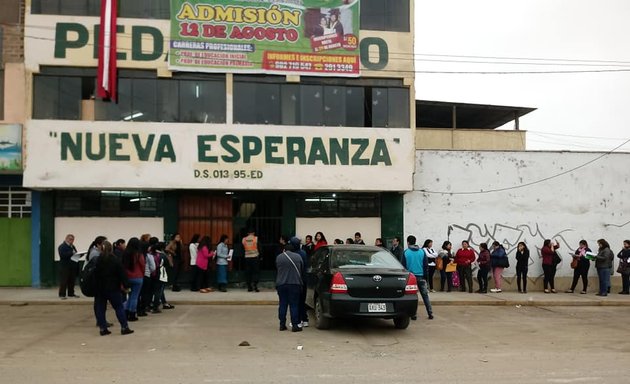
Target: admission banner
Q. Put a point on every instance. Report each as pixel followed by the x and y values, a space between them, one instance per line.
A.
pixel 310 37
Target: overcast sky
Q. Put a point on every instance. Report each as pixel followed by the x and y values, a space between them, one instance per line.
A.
pixel 576 111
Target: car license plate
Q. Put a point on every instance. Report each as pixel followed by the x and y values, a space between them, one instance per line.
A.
pixel 377 307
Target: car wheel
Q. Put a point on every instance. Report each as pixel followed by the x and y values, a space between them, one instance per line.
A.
pixel 401 322
pixel 321 322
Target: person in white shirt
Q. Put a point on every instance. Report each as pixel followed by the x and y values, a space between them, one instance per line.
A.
pixel 432 256
pixel 192 248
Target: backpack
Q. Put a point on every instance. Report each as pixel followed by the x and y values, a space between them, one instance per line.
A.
pixel 87 280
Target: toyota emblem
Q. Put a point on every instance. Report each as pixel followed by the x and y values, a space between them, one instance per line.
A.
pixel 377 278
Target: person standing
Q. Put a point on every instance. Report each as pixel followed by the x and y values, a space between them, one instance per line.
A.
pixel 427 247
pixel 358 239
pixel 295 244
pixel 464 257
pixel 447 258
pixel 604 263
pixel 192 250
pixel 204 257
pixel 110 278
pixel 379 243
pixel 223 254
pixel 397 248
pixel 581 270
pixel 308 246
pixel 547 253
pixel 484 267
pixel 320 241
pixel 174 251
pixel 289 282
pixel 252 260
pixel 417 263
pixel 522 264
pixel 134 263
pixel 95 249
pixel 68 268
pixel 498 262
pixel 624 267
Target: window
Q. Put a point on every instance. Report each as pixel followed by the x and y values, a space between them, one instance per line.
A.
pixel 338 205
pixel 140 9
pixel 385 15
pixel 15 202
pixel 142 96
pixel 324 102
pixel 1 92
pixel 109 203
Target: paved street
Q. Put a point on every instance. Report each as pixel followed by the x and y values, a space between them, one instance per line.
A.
pixel 199 344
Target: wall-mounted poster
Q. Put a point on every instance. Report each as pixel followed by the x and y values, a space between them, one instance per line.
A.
pixel 309 37
pixel 10 148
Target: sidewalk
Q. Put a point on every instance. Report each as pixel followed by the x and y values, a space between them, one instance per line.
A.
pixel 48 296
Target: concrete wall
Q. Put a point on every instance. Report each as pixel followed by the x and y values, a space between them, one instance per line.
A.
pixel 470 139
pixel 452 199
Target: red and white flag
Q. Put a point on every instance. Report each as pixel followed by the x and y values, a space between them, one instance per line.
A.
pixel 106 78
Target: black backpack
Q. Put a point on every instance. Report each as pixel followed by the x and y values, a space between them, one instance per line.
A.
pixel 87 280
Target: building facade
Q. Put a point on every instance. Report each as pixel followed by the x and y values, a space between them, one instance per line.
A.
pixel 274 124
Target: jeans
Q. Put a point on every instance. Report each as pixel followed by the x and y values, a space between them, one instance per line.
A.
pixel 496 275
pixel 100 307
pixel 604 280
pixel 521 273
pixel 67 278
pixel 136 287
pixel 482 278
pixel 446 277
pixel 424 293
pixel 289 295
pixel 222 271
pixel 465 275
pixel 550 275
pixel 251 271
pixel 581 271
pixel 431 273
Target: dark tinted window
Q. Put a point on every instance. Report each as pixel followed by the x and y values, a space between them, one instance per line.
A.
pixel 360 258
pixel 139 9
pixel 109 203
pixel 338 205
pixel 385 15
pixel 56 97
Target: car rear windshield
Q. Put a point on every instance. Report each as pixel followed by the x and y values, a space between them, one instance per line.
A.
pixel 358 258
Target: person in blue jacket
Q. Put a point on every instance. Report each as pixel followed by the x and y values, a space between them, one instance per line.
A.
pixel 417 263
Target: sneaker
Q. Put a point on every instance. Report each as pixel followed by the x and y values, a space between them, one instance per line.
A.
pixel 126 331
pixel 305 324
pixel 494 290
pixel 568 291
pixel 431 290
pixel 168 306
pixel 299 325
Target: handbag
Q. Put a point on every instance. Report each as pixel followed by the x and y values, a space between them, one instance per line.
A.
pixel 439 264
pixel 574 263
pixel 451 267
pixel 556 258
pixel 503 262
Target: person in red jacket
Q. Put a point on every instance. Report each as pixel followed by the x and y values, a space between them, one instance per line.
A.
pixel 547 252
pixel 464 258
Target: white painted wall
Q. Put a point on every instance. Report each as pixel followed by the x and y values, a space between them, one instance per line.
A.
pixel 588 203
pixel 342 228
pixel 85 229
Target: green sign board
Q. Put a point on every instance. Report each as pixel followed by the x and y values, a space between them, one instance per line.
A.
pixel 310 37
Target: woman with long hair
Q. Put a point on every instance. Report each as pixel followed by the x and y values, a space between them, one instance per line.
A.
pixel 498 262
pixel 447 258
pixel 581 270
pixel 483 260
pixel 174 251
pixel 110 279
pixel 134 263
pixel 427 247
pixel 547 253
pixel 624 267
pixel 603 263
pixel 204 257
pixel 96 247
pixel 223 254
pixel 320 240
pixel 522 264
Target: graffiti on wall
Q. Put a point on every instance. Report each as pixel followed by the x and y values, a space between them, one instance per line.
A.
pixel 509 236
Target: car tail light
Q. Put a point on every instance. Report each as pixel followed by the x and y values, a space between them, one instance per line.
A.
pixel 412 285
pixel 338 284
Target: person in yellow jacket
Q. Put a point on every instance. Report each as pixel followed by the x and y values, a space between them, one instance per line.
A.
pixel 252 257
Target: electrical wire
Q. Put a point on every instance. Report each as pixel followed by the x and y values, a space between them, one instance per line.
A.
pixel 530 183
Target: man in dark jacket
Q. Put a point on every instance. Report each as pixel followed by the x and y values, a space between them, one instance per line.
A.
pixel 397 249
pixel 289 286
pixel 67 267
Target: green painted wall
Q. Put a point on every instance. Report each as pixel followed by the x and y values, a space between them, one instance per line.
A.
pixel 15 253
pixel 392 219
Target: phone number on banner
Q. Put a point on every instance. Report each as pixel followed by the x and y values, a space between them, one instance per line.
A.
pixel 311 63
